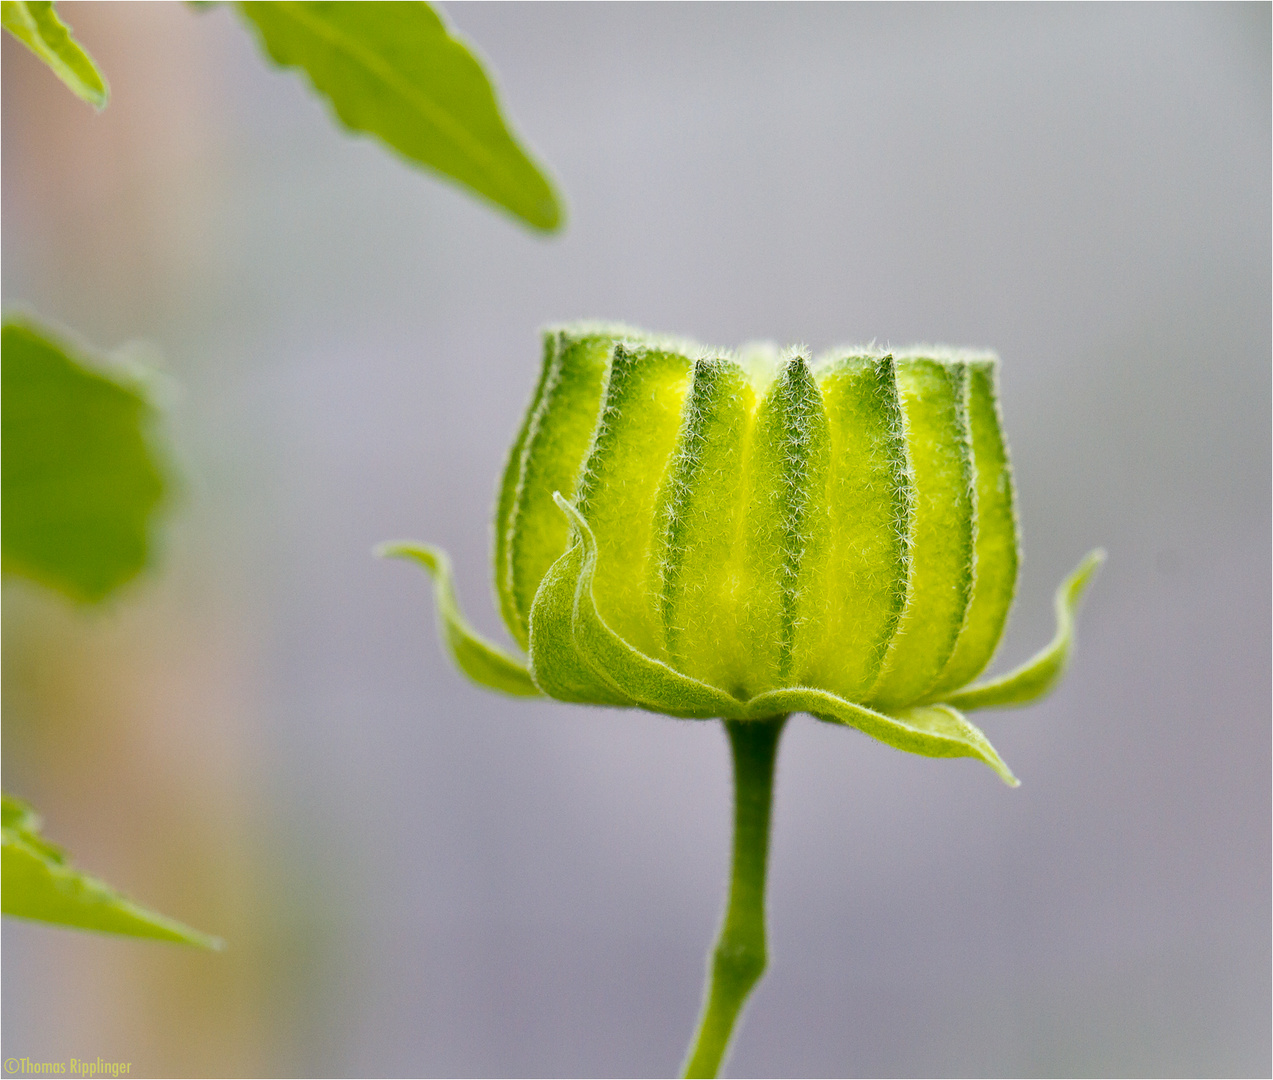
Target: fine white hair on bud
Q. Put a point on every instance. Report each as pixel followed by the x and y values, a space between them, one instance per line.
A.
pixel 743 534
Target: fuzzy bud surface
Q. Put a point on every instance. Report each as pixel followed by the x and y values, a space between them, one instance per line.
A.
pixel 747 534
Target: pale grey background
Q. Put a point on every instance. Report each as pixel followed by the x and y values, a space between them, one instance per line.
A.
pixel 420 878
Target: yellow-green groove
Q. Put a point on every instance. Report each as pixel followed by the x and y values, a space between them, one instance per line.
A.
pixel 634 441
pixel 934 397
pixel 699 517
pixel 739 959
pixel 872 498
pixel 508 492
pixel 558 434
pixel 996 546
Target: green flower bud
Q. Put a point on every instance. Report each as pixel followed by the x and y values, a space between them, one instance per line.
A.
pixel 746 535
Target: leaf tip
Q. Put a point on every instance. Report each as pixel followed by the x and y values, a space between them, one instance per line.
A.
pixel 181 934
pixel 550 217
pixel 991 757
pixel 99 95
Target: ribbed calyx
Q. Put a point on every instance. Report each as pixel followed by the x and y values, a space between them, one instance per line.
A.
pixel 741 535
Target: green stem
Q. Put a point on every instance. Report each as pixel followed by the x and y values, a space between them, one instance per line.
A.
pixel 739 958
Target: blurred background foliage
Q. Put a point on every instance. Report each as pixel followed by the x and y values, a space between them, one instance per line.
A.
pixel 418 879
pixel 83 472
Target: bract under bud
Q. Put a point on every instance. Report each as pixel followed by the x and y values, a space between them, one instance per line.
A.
pixel 743 535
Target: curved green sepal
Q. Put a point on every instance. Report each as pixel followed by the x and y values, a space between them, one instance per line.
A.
pixel 39 884
pixel 35 23
pixel 930 730
pixel 483 662
pixel 1038 675
pixel 556 664
pixel 640 678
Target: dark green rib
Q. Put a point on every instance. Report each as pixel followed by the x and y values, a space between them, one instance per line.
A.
pixel 934 398
pixel 618 490
pixel 557 440
pixel 996 545
pixel 871 509
pixel 697 524
pixel 788 529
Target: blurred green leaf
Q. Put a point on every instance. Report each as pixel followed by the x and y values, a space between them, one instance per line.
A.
pixel 79 480
pixel 393 70
pixel 38 883
pixel 37 26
